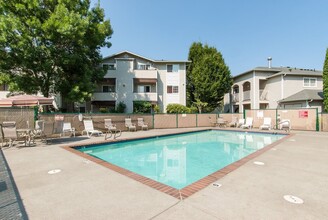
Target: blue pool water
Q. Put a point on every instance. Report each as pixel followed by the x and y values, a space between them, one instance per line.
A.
pixel 179 160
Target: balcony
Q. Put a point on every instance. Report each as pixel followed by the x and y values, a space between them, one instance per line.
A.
pixel 247 95
pixel 104 96
pixel 150 74
pixel 235 97
pixel 145 96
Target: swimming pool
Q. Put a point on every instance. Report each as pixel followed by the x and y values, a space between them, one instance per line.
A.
pixel 182 159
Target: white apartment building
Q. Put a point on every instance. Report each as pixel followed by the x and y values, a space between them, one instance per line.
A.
pixel 275 87
pixel 131 77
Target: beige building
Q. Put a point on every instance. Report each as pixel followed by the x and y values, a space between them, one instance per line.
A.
pixel 271 88
pixel 131 77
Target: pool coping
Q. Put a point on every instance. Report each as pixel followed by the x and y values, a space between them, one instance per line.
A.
pixel 187 191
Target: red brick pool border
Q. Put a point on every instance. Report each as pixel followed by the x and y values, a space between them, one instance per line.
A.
pixel 186 191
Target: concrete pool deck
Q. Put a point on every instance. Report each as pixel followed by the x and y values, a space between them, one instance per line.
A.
pixel 85 190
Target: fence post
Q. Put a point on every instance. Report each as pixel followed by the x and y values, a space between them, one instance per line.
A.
pixel 317 120
pixel 276 118
pixel 36 113
pixel 153 120
pixel 196 120
pixel 177 119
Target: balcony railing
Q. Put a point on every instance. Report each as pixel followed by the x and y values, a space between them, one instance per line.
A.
pixel 104 96
pixel 235 97
pixel 246 95
pixel 150 74
pixel 145 96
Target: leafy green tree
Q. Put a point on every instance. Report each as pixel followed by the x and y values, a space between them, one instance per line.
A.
pixel 325 83
pixel 200 105
pixel 53 46
pixel 208 77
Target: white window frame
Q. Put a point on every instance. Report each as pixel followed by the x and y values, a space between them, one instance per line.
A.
pixel 309 82
pixel 109 86
pixel 113 66
pixel 144 88
pixel 173 88
pixel 144 66
pixel 175 68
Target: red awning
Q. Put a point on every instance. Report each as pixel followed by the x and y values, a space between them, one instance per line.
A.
pixel 25 100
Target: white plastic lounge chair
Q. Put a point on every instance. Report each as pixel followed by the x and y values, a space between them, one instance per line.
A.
pixel 284 124
pixel 266 124
pixel 9 132
pixel 221 122
pixel 111 129
pixel 241 122
pixel 88 128
pixel 67 127
pixel 130 125
pixel 142 124
pixel 248 124
pixel 234 122
pixel 47 130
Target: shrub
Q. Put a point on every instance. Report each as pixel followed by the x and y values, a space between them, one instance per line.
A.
pixel 157 109
pixel 141 107
pixel 120 108
pixel 177 108
pixel 103 110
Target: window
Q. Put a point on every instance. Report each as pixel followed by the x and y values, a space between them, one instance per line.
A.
pixel 309 82
pixel 109 66
pixel 143 67
pixel 172 68
pixel 172 89
pixel 145 88
pixel 108 88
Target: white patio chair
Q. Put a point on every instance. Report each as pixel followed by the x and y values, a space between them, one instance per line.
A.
pixel 88 128
pixel 234 122
pixel 111 129
pixel 9 132
pixel 142 124
pixel 130 125
pixel 266 124
pixel 67 127
pixel 284 124
pixel 248 124
pixel 241 122
pixel 47 131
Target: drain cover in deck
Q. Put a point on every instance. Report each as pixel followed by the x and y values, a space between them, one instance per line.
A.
pixel 293 199
pixel 54 171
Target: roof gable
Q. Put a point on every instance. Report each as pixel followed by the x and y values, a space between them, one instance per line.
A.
pixel 127 54
pixel 306 94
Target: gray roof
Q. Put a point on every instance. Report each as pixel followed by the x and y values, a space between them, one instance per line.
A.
pixel 145 58
pixel 297 72
pixel 306 94
pixel 277 71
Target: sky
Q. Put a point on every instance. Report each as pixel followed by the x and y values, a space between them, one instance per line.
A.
pixel 246 32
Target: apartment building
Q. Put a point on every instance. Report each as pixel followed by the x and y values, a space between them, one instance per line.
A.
pixel 131 77
pixel 275 87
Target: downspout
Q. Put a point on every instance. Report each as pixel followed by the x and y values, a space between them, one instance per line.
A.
pixel 282 85
pixel 254 97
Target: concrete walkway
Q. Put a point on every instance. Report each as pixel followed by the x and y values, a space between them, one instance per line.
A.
pixel 86 190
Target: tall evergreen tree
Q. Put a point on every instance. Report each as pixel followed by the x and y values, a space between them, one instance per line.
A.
pixel 208 77
pixel 325 83
pixel 52 46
